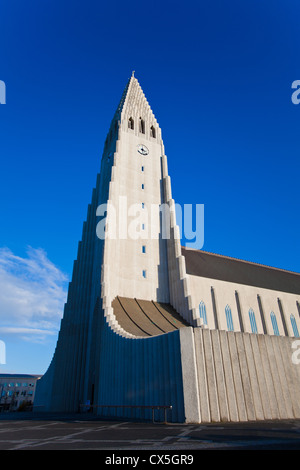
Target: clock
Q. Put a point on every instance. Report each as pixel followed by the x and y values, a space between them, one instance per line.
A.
pixel 143 149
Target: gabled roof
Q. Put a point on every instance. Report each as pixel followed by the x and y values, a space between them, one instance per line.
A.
pixel 214 266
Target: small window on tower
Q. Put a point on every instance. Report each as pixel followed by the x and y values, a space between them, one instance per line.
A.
pixel 152 132
pixel 130 123
pixel 143 186
pixel 144 273
pixel 144 249
pixel 142 126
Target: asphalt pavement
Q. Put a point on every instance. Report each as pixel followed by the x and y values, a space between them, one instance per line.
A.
pixel 84 432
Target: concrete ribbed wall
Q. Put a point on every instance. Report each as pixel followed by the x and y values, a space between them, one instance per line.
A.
pixel 245 377
pixel 138 372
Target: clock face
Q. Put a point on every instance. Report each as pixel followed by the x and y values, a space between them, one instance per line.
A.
pixel 143 149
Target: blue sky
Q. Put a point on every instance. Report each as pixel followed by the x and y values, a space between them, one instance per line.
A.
pixel 218 77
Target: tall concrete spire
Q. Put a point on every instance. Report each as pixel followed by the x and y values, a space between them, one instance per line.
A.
pixel 139 174
pixel 122 281
pixel 134 106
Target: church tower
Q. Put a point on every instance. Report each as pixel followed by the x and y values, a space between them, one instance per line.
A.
pixel 133 155
pixel 141 239
pixel 129 277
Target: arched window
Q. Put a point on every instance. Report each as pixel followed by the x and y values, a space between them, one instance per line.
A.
pixel 202 311
pixel 130 123
pixel 252 321
pixel 152 132
pixel 274 323
pixel 142 126
pixel 294 326
pixel 229 318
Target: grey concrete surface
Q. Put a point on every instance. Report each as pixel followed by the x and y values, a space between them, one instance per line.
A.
pixel 77 432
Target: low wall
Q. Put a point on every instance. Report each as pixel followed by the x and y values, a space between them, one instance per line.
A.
pixel 243 377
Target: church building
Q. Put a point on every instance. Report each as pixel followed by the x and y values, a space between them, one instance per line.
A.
pixel 151 324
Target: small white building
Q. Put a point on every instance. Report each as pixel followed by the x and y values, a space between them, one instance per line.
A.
pixel 17 391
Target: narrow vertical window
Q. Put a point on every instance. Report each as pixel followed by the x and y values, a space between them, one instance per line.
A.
pixel 152 132
pixel 142 168
pixel 144 273
pixel 274 324
pixel 144 249
pixel 252 321
pixel 143 226
pixel 294 326
pixel 142 126
pixel 202 311
pixel 143 205
pixel 229 318
pixel 143 186
pixel 130 123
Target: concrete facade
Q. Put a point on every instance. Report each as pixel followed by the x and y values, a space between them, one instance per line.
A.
pixel 245 377
pixel 121 342
pixel 226 293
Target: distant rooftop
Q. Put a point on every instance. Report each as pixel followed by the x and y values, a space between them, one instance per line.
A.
pixel 24 376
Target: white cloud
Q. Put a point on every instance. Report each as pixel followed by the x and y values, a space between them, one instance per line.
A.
pixel 32 295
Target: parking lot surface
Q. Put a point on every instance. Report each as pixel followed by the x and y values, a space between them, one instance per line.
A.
pixel 58 432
